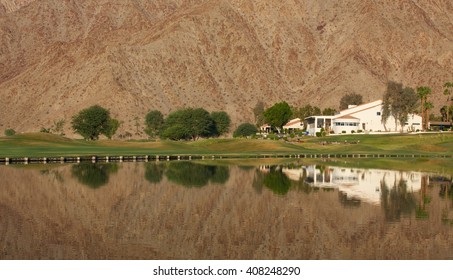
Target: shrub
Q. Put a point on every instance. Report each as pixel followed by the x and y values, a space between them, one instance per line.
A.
pixel 359 131
pixel 10 132
pixel 352 131
pixel 245 129
pixel 344 131
pixel 273 137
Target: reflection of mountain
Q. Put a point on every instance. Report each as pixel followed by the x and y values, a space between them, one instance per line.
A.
pixel 363 184
pixel 42 217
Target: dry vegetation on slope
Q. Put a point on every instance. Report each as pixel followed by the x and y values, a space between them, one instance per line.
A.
pixel 58 57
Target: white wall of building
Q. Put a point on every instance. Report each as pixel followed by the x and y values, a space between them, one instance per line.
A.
pixel 366 118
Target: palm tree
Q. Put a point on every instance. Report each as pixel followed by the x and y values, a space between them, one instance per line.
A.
pixel 423 93
pixel 427 106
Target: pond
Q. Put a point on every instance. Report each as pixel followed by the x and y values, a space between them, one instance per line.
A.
pixel 220 210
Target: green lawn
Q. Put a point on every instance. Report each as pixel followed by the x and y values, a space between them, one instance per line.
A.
pixel 47 145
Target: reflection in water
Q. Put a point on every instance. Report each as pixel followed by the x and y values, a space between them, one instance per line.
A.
pixel 393 190
pixel 445 186
pixel 396 200
pixel 304 212
pixel 154 172
pixel 362 184
pixel 93 175
pixel 189 174
pixel 277 181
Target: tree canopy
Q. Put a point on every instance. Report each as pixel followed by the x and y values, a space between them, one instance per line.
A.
pixel 222 122
pixel 398 102
pixel 350 99
pixel 305 111
pixel 188 124
pixel 244 130
pixel 154 121
pixel 278 115
pixel 93 121
pixel 423 93
pixel 258 111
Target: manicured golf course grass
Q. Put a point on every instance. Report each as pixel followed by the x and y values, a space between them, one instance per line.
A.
pixel 47 145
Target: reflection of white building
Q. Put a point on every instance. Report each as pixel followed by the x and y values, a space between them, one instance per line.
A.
pixel 365 117
pixel 363 184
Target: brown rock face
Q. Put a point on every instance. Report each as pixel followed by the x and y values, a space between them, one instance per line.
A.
pixel 7 6
pixel 58 57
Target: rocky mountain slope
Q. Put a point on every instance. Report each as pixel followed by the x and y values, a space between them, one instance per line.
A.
pixel 131 56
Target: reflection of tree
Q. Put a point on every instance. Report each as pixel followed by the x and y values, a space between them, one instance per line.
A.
pixel 445 192
pixel 421 212
pixel 190 174
pixel 397 200
pixel 154 172
pixel 258 179
pixel 303 183
pixel 221 174
pixel 55 173
pixel 277 181
pixel 93 175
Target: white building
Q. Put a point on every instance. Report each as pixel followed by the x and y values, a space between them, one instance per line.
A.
pixel 294 124
pixel 365 117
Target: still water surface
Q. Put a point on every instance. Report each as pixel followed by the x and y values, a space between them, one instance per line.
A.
pixel 188 210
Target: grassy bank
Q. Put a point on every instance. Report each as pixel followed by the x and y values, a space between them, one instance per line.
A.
pixel 47 145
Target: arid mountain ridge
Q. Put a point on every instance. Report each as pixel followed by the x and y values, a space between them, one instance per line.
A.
pixel 131 56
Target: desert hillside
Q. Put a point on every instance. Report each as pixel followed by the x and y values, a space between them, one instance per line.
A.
pixel 131 56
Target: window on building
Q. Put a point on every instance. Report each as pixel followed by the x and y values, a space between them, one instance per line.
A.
pixel 378 113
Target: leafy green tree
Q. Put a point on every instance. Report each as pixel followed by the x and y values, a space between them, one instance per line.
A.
pixel 258 111
pixel 244 130
pixel 305 111
pixel 398 102
pixel 278 115
pixel 176 132
pixel 329 112
pixel 113 126
pixel 350 99
pixel 188 124
pixel 154 121
pixel 91 122
pixel 423 93
pixel 222 122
